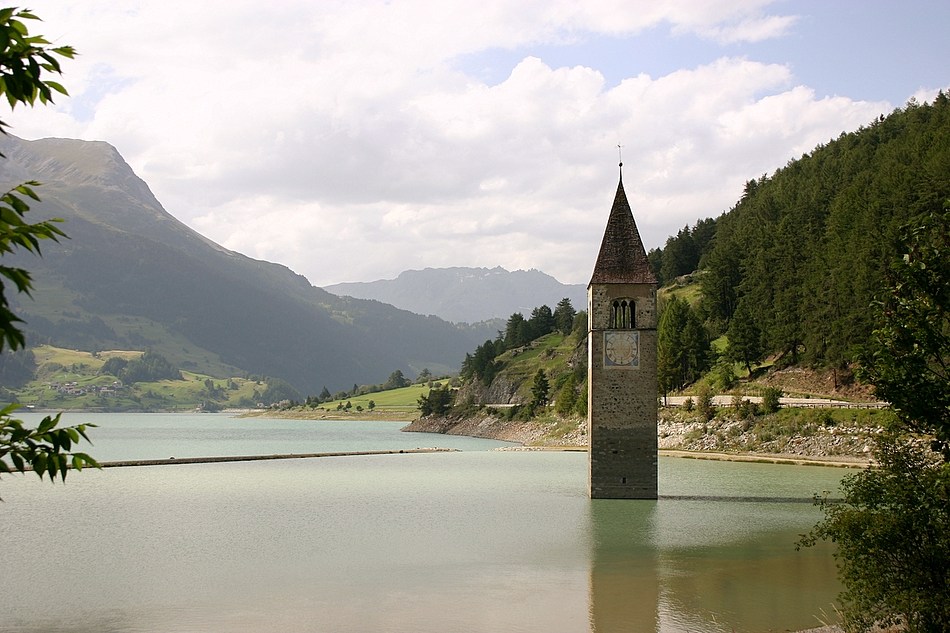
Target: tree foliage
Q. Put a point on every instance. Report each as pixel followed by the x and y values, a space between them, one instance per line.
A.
pixel 279 390
pixel 47 450
pixel 745 339
pixel 908 357
pixel 893 528
pixel 806 249
pixel 24 59
pixel 683 252
pixel 539 391
pixel 482 365
pixel 771 399
pixel 541 322
pixel 149 367
pixel 15 234
pixel 566 398
pixel 683 352
pixel 516 331
pixel 437 402
pixel 892 532
pixel 396 380
pixel 564 314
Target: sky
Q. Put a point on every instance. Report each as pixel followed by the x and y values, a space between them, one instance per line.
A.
pixel 352 140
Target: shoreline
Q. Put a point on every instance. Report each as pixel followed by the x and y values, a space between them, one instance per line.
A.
pixel 535 436
pixel 528 435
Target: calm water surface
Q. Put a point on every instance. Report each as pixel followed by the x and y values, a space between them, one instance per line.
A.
pixel 479 540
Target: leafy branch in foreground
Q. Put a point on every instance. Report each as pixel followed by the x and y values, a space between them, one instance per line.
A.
pixel 24 59
pixel 893 540
pixel 16 233
pixel 45 449
pixel 908 358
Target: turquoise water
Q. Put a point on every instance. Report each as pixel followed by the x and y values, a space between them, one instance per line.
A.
pixel 478 540
pixel 158 436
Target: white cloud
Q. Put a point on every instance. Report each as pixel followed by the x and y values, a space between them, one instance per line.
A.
pixel 339 139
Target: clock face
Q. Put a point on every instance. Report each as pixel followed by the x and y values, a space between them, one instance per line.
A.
pixel 622 348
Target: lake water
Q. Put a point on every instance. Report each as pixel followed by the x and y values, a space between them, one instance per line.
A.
pixel 478 540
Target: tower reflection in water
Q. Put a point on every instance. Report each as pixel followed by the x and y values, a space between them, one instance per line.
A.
pixel 705 566
pixel 624 584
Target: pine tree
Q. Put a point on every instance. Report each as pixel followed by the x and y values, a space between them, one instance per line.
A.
pixel 564 314
pixel 745 338
pixel 539 391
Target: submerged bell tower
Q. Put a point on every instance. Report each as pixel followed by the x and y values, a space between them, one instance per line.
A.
pixel 621 363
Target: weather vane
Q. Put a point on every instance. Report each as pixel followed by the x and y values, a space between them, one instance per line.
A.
pixel 620 154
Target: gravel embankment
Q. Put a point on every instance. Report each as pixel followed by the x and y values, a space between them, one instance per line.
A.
pixel 720 439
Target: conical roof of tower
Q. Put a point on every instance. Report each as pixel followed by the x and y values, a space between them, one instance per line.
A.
pixel 622 258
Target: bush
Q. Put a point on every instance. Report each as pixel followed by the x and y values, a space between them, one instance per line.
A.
pixel 566 397
pixel 437 402
pixel 771 400
pixel 745 409
pixel 704 403
pixel 580 405
pixel 893 536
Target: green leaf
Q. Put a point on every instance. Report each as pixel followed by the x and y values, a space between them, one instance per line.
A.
pixel 57 87
pixel 87 460
pixel 47 424
pixel 39 464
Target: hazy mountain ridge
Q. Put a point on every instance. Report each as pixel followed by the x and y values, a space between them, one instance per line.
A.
pixel 467 295
pixel 133 276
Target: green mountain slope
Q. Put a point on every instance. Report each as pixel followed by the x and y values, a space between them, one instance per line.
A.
pixel 804 252
pixel 134 277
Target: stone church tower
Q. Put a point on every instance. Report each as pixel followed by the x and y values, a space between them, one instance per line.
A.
pixel 621 367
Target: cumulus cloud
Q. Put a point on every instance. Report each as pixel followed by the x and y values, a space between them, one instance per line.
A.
pixel 341 139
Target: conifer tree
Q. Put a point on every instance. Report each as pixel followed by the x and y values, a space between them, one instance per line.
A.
pixel 745 339
pixel 539 391
pixel 564 314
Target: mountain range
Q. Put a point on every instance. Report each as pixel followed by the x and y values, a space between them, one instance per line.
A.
pixel 131 276
pixel 467 294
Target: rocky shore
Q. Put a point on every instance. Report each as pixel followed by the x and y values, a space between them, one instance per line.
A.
pixel 527 433
pixel 678 432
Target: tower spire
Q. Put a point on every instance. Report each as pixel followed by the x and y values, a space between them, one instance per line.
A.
pixel 622 258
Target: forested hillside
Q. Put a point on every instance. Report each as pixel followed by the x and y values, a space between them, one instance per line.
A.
pixel 803 254
pixel 792 269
